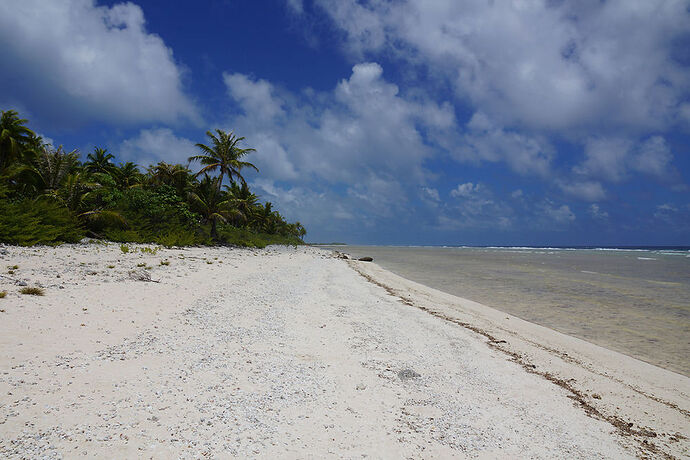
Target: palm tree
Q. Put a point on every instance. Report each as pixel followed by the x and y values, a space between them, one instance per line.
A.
pixel 14 136
pixel 49 169
pixel 77 194
pixel 99 161
pixel 224 156
pixel 176 176
pixel 211 203
pixel 243 200
pixel 127 175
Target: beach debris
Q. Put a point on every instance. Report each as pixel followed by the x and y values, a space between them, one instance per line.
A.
pixel 141 275
pixel 361 386
pixel 596 396
pixel 340 255
pixel 366 259
pixel 407 374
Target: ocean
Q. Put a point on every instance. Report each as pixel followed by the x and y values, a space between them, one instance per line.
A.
pixel 632 300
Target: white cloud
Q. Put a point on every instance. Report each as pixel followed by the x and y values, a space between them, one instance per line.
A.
pixel 612 159
pixel 653 157
pixel 296 6
pixel 465 190
pixel 255 97
pixel 485 141
pixel 71 61
pixel 560 214
pixel 584 190
pixel 543 65
pixel 364 134
pixel 153 145
pixel 605 158
pixel 517 194
pixel 596 212
pixel 429 193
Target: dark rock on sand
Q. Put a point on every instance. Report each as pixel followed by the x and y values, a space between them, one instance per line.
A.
pixel 366 259
pixel 407 374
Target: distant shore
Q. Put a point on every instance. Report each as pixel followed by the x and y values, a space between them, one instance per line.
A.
pixel 291 352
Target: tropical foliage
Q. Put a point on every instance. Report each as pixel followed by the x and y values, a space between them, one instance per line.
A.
pixel 48 196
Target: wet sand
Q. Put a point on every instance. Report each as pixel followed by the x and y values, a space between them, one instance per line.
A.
pixel 633 302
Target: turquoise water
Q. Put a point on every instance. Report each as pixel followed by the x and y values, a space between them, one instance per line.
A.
pixel 636 302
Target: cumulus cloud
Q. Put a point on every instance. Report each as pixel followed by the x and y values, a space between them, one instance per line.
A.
pixel 363 137
pixel 70 61
pixel 653 157
pixel 486 141
pixel 254 96
pixel 543 65
pixel 159 144
pixel 613 159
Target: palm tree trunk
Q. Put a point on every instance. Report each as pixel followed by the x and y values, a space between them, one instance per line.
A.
pixel 214 230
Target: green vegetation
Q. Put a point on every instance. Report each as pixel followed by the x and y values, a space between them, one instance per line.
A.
pixel 32 291
pixel 48 196
pixel 3 294
pixel 165 262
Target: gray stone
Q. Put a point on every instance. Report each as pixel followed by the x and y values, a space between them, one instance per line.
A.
pixel 407 374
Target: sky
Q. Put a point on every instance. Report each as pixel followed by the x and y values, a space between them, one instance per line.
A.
pixel 411 122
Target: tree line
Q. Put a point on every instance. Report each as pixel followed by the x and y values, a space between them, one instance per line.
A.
pixel 48 195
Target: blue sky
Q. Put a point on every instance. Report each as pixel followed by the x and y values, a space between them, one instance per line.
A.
pixel 404 122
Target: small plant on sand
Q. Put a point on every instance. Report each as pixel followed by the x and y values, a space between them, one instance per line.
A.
pixel 10 272
pixel 143 264
pixel 3 294
pixel 124 248
pixel 32 291
pixel 148 250
pixel 13 267
pixel 209 262
pixel 111 266
pixel 165 262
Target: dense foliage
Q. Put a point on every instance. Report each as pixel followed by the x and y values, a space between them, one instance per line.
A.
pixel 48 196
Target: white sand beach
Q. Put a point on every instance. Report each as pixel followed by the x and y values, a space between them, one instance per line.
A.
pixel 296 353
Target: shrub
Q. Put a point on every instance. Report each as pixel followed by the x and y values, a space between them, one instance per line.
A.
pixel 165 262
pixel 124 248
pixel 3 294
pixel 32 291
pixel 247 238
pixel 30 222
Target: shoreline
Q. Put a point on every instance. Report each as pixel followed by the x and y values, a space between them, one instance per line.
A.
pixel 607 384
pixel 638 308
pixel 292 352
